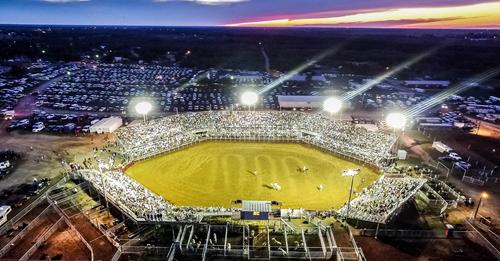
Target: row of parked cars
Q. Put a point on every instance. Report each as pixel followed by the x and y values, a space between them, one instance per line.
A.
pixel 19 196
pixel 113 87
pixel 56 123
pixel 13 89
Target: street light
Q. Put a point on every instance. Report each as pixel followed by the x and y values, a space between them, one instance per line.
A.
pixel 351 173
pixel 396 120
pixel 483 195
pixel 249 98
pixel 143 108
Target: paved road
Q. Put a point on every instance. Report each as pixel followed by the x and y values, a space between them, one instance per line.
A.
pixel 267 63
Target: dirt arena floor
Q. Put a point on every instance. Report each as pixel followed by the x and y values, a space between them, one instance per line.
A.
pixel 217 173
pixel 103 249
pixel 24 244
pixel 63 242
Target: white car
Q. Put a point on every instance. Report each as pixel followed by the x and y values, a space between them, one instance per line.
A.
pixel 38 128
pixel 454 156
pixel 4 164
pixel 463 164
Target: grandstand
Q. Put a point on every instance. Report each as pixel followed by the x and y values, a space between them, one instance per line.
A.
pixel 145 140
pixel 170 133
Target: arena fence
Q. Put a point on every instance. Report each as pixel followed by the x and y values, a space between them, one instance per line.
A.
pixel 41 240
pixel 479 238
pixel 403 233
pixel 11 244
pixel 473 180
pixel 73 228
pixel 493 180
pixel 266 139
pixel 12 222
pixel 316 243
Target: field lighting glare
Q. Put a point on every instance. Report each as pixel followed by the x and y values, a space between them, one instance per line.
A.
pixel 396 120
pixel 332 105
pixel 143 108
pixel 249 98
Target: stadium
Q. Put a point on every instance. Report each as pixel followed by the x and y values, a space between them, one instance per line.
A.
pixel 188 166
pixel 252 174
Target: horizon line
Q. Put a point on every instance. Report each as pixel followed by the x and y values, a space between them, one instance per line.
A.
pixel 258 27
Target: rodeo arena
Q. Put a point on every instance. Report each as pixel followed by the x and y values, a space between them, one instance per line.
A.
pixel 138 224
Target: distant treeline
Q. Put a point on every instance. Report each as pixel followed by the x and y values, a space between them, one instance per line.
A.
pixel 364 51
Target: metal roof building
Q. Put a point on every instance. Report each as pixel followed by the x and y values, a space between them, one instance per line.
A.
pixel 300 101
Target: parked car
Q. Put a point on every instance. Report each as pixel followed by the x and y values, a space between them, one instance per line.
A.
pixel 4 165
pixel 463 164
pixel 454 156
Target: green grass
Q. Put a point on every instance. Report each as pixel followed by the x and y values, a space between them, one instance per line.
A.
pixel 217 173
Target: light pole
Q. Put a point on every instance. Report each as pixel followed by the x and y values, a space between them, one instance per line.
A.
pixel 351 173
pixel 332 105
pixel 249 98
pixel 483 195
pixel 143 108
pixel 101 172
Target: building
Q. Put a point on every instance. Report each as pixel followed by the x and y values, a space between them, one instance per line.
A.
pixel 299 101
pixel 255 210
pixel 427 84
pixel 106 125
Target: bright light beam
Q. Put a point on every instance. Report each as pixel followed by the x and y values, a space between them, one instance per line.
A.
pixel 388 74
pixel 300 68
pixel 460 87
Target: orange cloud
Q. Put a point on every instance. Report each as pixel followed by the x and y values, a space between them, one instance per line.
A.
pixel 465 16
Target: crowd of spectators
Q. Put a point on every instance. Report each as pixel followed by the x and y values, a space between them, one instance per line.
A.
pixel 137 200
pixel 378 202
pixel 140 141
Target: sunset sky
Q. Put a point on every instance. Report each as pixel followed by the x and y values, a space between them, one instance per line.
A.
pixel 333 13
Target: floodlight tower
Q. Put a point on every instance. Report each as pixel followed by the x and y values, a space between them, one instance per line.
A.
pixel 332 105
pixel 349 173
pixel 102 168
pixel 143 108
pixel 397 121
pixel 249 98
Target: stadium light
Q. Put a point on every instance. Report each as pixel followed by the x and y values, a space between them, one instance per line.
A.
pixel 349 173
pixel 396 120
pixel 143 108
pixel 249 98
pixel 332 105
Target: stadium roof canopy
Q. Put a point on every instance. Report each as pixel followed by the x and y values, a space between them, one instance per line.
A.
pixel 256 206
pixel 299 101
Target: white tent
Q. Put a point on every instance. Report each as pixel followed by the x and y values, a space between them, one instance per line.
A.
pixel 106 125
